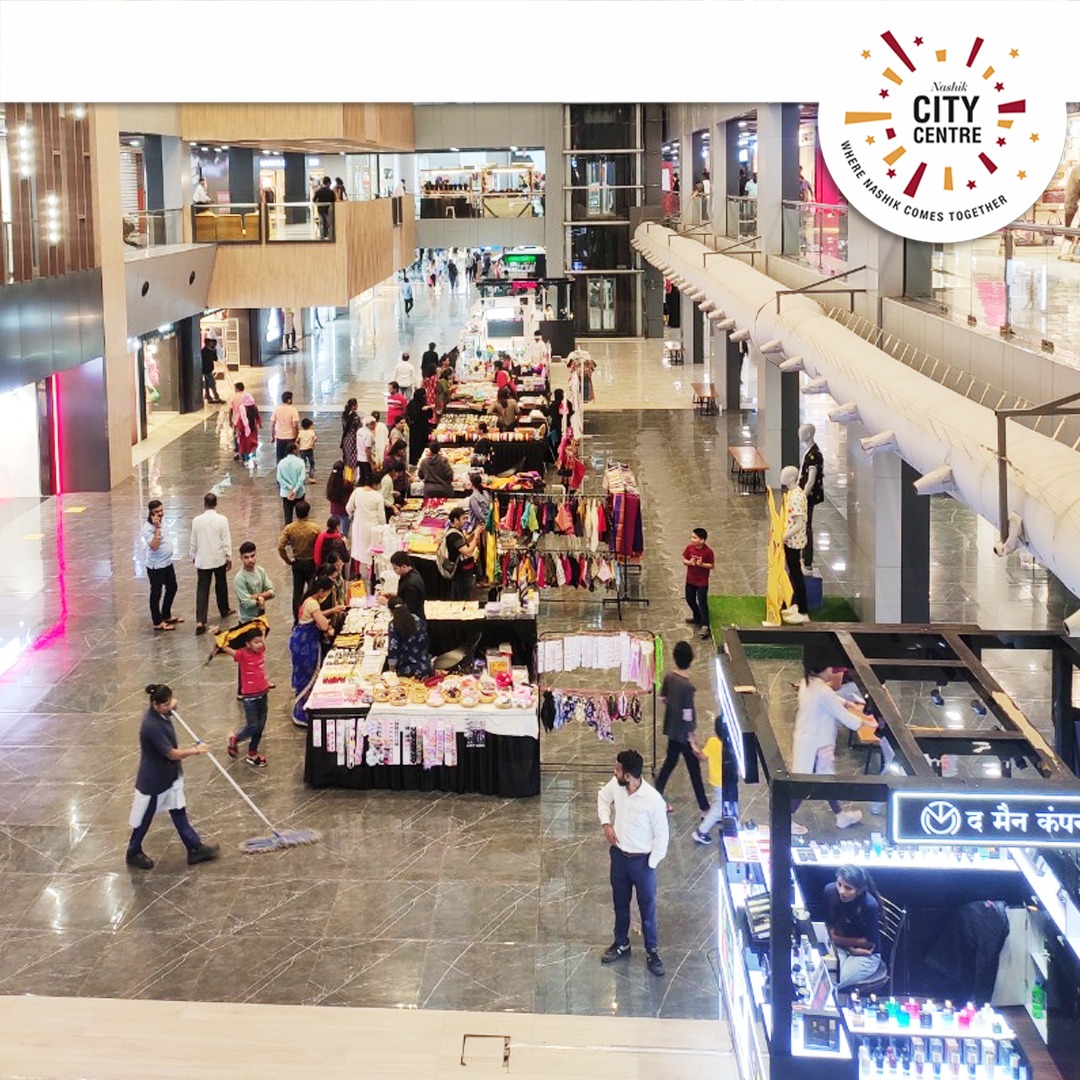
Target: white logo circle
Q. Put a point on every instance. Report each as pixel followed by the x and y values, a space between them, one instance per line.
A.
pixel 941 136
pixel 940 819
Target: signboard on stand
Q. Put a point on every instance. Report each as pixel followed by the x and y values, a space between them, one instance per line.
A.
pixel 994 819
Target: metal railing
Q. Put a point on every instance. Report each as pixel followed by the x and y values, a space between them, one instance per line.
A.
pixel 477 204
pixel 740 215
pixel 154 228
pixel 815 234
pixel 1062 428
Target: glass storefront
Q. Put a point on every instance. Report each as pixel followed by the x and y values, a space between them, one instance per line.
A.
pixel 490 183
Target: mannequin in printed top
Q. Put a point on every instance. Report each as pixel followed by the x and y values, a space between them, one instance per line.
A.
pixel 811 480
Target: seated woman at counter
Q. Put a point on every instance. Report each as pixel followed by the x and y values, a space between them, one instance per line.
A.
pixel 407 648
pixel 853 918
pixel 506 411
pixel 437 474
pixel 820 714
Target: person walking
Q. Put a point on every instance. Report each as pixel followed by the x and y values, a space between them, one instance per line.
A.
pixel 247 429
pixel 338 490
pixel 211 552
pixel 284 424
pixel 680 724
pixel 292 480
pixel 405 375
pixel 289 337
pixel 419 415
pixel 407 294
pixel 159 783
pixel 305 443
pixel 638 841
pixel 324 199
pixel 250 657
pixel 251 584
pixel 158 560
pixel 712 753
pixel 209 360
pixel 396 404
pixel 296 546
pixel 699 559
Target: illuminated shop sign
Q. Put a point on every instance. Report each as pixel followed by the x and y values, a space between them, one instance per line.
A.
pixel 991 819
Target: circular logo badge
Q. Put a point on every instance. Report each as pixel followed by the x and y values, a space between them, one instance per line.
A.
pixel 940 819
pixel 941 137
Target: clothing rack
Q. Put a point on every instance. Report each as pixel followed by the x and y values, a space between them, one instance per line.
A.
pixel 635 692
pixel 618 473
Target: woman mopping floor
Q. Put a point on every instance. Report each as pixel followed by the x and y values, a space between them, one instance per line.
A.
pixel 159 784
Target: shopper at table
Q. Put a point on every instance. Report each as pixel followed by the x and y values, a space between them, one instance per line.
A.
pixel 365 507
pixel 853 919
pixel 338 601
pixel 407 648
pixel 382 441
pixel 680 724
pixel 462 553
pixel 503 378
pixel 444 387
pixel 420 417
pixel 350 428
pixel 365 450
pixel 158 561
pixel 330 540
pixel 436 473
pixel 479 502
pixel 396 404
pixel 397 451
pixel 820 714
pixel 429 361
pixel 159 784
pixel 637 841
pixel 505 410
pixel 338 490
pixel 386 490
pixel 430 387
pixel 410 585
pixel 305 646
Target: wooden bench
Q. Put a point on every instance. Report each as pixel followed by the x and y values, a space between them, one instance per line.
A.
pixel 748 467
pixel 705 398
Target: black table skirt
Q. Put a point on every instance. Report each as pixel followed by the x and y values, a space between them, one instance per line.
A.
pixel 507 766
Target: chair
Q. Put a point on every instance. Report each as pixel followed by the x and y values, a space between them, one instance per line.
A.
pixel 892 923
pixel 451 659
pixel 513 470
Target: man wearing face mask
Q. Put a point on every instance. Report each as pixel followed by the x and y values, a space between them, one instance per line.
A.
pixel 636 849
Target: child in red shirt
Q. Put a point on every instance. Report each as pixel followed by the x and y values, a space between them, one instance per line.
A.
pixel 699 559
pixel 254 689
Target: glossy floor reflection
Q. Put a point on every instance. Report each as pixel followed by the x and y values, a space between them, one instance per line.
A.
pixel 410 900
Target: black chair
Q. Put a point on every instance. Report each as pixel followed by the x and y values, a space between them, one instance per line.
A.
pixel 891 927
pixel 514 469
pixel 453 657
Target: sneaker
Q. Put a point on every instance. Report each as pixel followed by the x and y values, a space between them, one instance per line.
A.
pixel 654 963
pixel 846 818
pixel 700 838
pixel 232 750
pixel 256 761
pixel 706 634
pixel 614 952
pixel 794 617
pixel 692 622
pixel 202 853
pixel 139 860
pixel 798 830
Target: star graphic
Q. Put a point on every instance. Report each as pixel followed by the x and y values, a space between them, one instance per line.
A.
pixel 866 54
pixel 918 41
pixel 1034 136
pixel 971 184
pixel 1001 141
pixel 1021 175
pixel 999 86
pixel 1014 53
pixel 869 140
pixel 883 93
pixel 891 173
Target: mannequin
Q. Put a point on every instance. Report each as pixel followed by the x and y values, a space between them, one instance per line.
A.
pixel 795 515
pixel 811 480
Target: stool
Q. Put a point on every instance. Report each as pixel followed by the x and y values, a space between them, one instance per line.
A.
pixel 449 211
pixel 863 739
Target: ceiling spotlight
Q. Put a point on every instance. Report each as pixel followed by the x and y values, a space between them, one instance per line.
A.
pixel 740 335
pixel 726 324
pixel 771 347
pixel 816 386
pixel 792 363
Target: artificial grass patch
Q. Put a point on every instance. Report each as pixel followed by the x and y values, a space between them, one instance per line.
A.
pixel 725 611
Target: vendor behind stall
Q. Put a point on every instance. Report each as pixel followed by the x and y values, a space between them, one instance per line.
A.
pixel 853 916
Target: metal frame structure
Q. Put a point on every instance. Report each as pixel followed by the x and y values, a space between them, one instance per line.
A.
pixel 877 653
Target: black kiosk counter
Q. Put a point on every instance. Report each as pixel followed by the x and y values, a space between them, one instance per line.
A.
pixel 976 870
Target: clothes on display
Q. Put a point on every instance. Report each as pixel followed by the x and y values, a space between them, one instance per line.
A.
pixel 541 515
pixel 625 534
pixel 634 655
pixel 594 709
pixel 523 568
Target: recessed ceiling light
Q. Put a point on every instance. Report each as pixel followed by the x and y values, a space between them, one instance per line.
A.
pixel 742 123
pixel 136 142
pixel 454 150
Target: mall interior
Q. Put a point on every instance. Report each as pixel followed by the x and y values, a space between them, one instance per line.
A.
pixel 694 274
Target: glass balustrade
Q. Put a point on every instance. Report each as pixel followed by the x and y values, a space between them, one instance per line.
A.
pixel 815 234
pixel 154 228
pixel 226 223
pixel 741 216
pixel 456 203
pixel 300 221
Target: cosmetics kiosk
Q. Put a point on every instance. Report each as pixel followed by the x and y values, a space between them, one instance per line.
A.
pixel 965 841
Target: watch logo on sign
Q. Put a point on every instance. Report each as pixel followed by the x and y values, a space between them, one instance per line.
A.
pixel 940 819
pixel 941 140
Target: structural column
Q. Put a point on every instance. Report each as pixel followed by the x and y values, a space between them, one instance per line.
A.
pixel 778 415
pixel 778 170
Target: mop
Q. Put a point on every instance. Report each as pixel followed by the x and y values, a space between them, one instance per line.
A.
pixel 256 845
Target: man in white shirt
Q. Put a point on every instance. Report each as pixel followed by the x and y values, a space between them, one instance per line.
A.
pixel 365 451
pixel 636 850
pixel 405 375
pixel 211 552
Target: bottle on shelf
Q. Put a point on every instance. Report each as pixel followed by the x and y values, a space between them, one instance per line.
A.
pixel 1038 1000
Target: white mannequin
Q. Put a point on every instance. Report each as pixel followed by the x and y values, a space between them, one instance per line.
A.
pixel 810 474
pixel 795 516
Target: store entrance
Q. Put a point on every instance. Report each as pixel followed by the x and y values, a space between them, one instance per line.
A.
pixel 601 305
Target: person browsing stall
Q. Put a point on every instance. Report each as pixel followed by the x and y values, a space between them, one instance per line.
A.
pixel 853 919
pixel 408 651
pixel 437 474
pixel 638 841
pixel 461 551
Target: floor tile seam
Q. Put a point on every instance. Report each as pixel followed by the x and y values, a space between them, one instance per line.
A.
pixel 271 976
pixel 142 988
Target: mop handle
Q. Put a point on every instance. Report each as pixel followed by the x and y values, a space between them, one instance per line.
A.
pixel 224 772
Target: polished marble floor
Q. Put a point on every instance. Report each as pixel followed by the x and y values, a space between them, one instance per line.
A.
pixel 410 900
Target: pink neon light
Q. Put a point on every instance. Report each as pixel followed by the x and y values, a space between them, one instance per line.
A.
pixel 55 389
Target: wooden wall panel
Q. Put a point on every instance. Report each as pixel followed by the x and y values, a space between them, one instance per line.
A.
pixel 279 275
pixel 225 123
pixel 384 126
